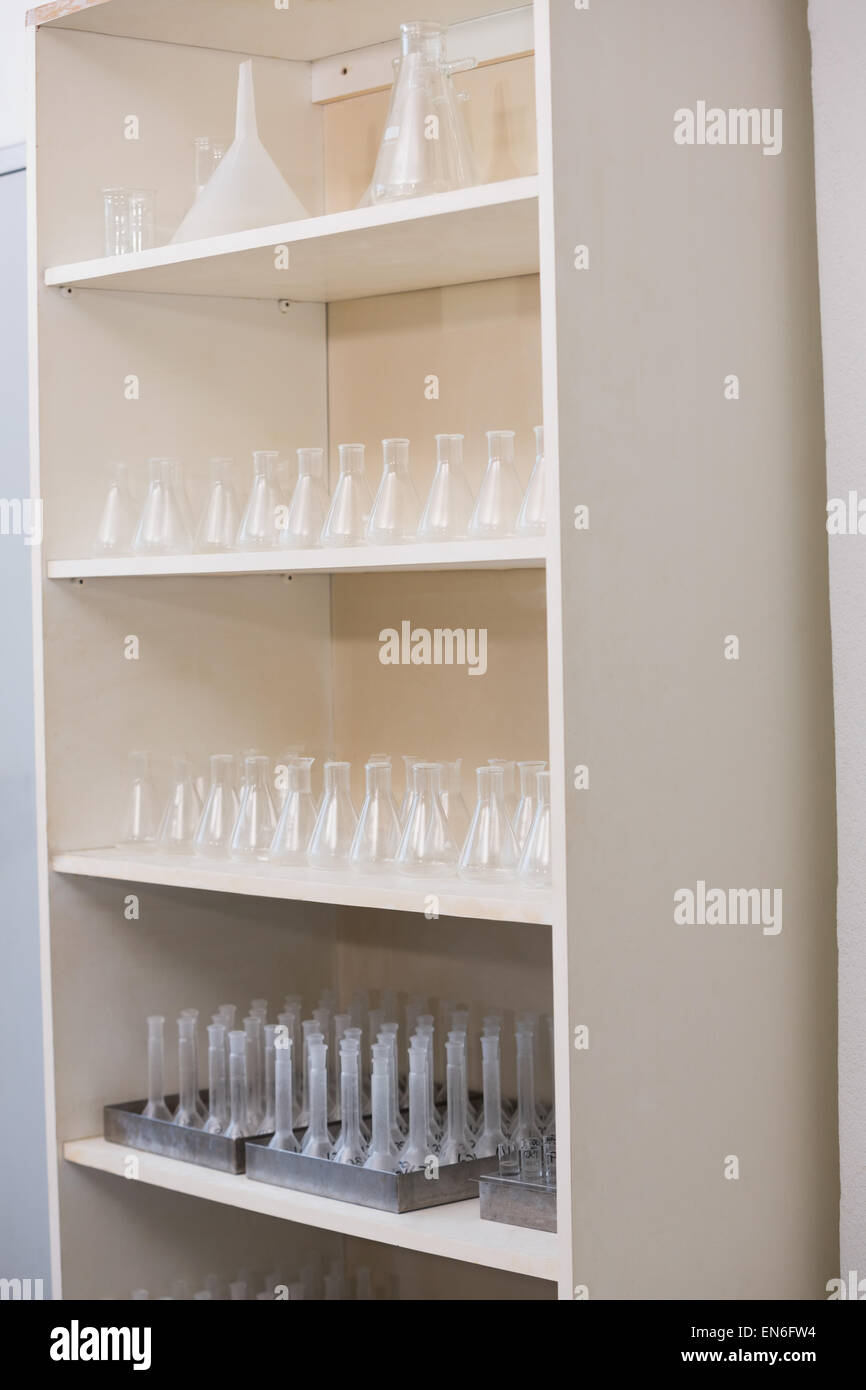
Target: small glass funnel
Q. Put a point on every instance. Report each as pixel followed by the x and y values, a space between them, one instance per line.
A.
pixel 162 526
pixel 297 817
pixel 500 494
pixel 534 867
pixel 117 519
pixel 308 508
pixel 426 846
pixel 490 849
pixel 525 811
pixel 531 519
pixel 351 503
pixel 449 502
pixel 336 822
pixel 218 524
pixel 394 517
pixel 377 837
pixel 259 528
pixel 139 827
pixel 253 832
pixel 182 812
pixel 214 833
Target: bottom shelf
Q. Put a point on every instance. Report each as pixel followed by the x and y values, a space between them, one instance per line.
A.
pixel 454 1232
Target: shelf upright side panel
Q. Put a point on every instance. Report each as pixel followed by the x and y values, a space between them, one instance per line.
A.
pixel 696 653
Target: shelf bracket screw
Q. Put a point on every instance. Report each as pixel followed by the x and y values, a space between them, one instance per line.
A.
pixel 284 305
pixel 66 291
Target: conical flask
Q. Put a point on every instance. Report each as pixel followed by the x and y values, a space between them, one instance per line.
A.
pixel 524 814
pixel 426 846
pixel 139 826
pixel 259 528
pixel 297 817
pixel 394 518
pixel 377 837
pixel 532 517
pixel 508 788
pixel 452 800
pixel 449 502
pixel 254 829
pixel 118 516
pixel 409 761
pixel 246 189
pixel 218 525
pixel 336 822
pixel 308 508
pixel 500 494
pixel 534 867
pixel 162 528
pixel 214 833
pixel 490 849
pixel 182 812
pixel 425 147
pixel 366 198
pixel 351 503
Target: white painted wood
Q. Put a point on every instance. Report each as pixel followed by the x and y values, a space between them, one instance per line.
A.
pixel 482 233
pixel 449 897
pixel 455 1231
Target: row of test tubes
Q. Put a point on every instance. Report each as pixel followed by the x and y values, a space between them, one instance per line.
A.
pixel 268 815
pixel 303 515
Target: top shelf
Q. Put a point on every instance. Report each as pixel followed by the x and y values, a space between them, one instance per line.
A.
pixel 487 232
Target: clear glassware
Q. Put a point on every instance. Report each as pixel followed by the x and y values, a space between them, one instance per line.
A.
pixel 284 1134
pixel 454 1147
pixel 349 1147
pixel 526 1124
pixel 297 817
pixel 156 1108
pixel 351 504
pixel 509 1160
pixel 413 1154
pixel 218 524
pixel 409 761
pixel 192 1015
pixel 238 1125
pixel 377 837
pixel 449 502
pixel 256 822
pixel 500 494
pixel 187 1113
pixel 310 1030
pixel 255 1072
pixel 317 1140
pixel 534 866
pixel 219 817
pixel 382 1154
pixel 508 784
pixel 388 1036
pixel 525 811
pixel 339 1024
pixel 424 1034
pixel 141 219
pixel 426 846
pixel 115 202
pixel 336 822
pixel 425 147
pixel 549 1154
pixel 259 528
pixel 366 199
pixel 460 1034
pixel 452 800
pixel 532 517
pixel 218 1116
pixel 269 1116
pixel 531 1161
pixel 491 1135
pixel 162 526
pixel 490 849
pixel 183 810
pixel 308 508
pixel 118 516
pixel 139 826
pixel 394 518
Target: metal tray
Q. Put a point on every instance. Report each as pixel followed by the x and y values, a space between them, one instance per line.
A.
pixel 517 1203
pixel 125 1124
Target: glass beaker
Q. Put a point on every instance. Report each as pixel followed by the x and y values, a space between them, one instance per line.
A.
pixel 259 528
pixel 394 518
pixel 139 827
pixel 162 527
pixel 425 148
pixel 351 503
pixel 500 494
pixel 115 203
pixel 218 819
pixel 534 867
pixel 532 517
pixel 297 817
pixel 336 822
pixel 524 814
pixel 449 502
pixel 426 846
pixel 183 810
pixel 308 508
pixel 218 525
pixel 117 519
pixel 377 837
pixel 254 828
pixel 141 225
pixel 490 849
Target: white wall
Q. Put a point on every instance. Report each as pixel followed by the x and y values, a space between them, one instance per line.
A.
pixel 839 95
pixel 13 120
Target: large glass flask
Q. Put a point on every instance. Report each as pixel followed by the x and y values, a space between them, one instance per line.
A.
pixel 218 818
pixel 259 528
pixel 336 822
pixel 377 837
pixel 394 517
pixel 297 817
pixel 219 519
pixel 490 849
pixel 351 503
pixel 306 512
pixel 449 502
pixel 500 494
pixel 426 846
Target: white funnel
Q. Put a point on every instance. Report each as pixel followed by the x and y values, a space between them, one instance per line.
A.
pixel 246 189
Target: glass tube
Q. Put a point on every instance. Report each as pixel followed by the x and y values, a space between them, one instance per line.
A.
pixel 490 849
pixel 534 869
pixel 426 847
pixel 284 1134
pixel 317 1140
pixel 238 1125
pixel 156 1108
pixel 336 822
pixel 297 817
pixel 500 495
pixel 525 812
pixel 449 502
pixel 218 819
pixel 255 1079
pixel 377 836
pixel 394 516
pixel 351 503
pixel 217 1088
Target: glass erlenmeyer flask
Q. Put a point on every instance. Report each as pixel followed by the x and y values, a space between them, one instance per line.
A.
pixel 508 788
pixel 218 524
pixel 490 849
pixel 452 800
pixel 253 832
pixel 377 837
pixel 297 817
pixel 162 527
pixel 409 761
pixel 425 147
pixel 500 494
pixel 449 502
pixel 336 822
pixel 426 846
pixel 182 812
pixel 117 519
pixel 259 528
pixel 366 198
pixel 218 819
pixel 351 503
pixel 139 826
pixel 308 508
pixel 532 517
pixel 534 866
pixel 394 518
pixel 525 812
